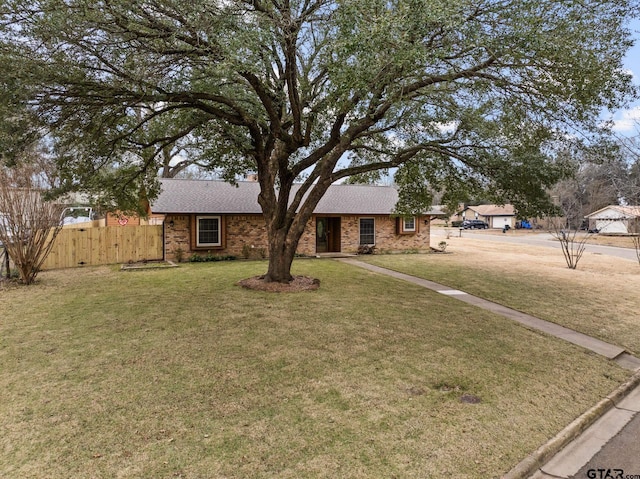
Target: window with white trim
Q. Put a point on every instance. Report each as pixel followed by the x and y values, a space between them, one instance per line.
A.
pixel 367 231
pixel 409 224
pixel 208 231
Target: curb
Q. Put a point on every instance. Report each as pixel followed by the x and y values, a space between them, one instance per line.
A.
pixel 534 461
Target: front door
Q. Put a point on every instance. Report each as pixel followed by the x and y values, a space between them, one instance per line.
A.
pixel 328 235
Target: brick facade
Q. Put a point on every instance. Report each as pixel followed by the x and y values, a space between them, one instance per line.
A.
pixel 245 235
pixel 119 219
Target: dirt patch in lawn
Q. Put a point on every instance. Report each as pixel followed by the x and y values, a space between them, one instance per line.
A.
pixel 299 283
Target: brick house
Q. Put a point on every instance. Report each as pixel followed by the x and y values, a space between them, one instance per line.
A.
pixel 218 218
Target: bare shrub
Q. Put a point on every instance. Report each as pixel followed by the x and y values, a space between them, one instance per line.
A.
pixel 572 242
pixel 29 223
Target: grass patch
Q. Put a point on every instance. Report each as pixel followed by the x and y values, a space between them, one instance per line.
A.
pixel 181 373
pixel 617 241
pixel 599 298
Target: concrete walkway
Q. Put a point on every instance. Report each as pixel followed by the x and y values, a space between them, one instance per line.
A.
pixel 582 440
pixel 602 348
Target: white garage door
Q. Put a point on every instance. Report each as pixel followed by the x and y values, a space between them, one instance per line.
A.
pixel 608 226
pixel 501 221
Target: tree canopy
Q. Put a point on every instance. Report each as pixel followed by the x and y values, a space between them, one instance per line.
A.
pixel 456 95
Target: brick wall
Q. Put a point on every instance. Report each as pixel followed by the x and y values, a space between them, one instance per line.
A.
pixel 387 241
pixel 249 230
pixel 176 237
pixel 240 230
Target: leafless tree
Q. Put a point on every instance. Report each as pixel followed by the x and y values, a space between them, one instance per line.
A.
pixel 572 241
pixel 29 223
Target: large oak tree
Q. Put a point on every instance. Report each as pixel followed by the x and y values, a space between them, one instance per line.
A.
pixel 455 94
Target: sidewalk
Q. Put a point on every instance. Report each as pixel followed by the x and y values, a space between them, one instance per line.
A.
pixel 564 455
pixel 610 443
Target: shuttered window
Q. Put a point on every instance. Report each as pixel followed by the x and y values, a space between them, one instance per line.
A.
pixel 208 230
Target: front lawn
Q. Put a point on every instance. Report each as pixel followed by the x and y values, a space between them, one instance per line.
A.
pixel 181 373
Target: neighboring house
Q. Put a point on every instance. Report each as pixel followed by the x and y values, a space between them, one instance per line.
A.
pixel 615 219
pixel 116 218
pixel 4 225
pixel 495 216
pixel 218 218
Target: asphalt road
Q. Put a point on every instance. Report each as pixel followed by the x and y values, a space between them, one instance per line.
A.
pixel 620 457
pixel 537 239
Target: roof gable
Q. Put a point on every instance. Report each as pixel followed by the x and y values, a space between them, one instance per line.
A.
pixel 616 211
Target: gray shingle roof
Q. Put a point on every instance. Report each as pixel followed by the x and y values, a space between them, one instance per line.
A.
pixel 198 196
pixel 211 196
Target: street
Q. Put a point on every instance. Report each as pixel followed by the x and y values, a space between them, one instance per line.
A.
pixel 534 239
pixel 620 457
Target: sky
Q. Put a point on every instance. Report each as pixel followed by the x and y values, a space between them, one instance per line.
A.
pixel 627 121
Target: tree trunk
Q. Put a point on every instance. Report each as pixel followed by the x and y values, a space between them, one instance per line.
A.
pixel 284 230
pixel 280 261
pixel 286 210
pixel 282 249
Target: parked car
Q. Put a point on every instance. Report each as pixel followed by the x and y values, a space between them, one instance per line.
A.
pixel 474 224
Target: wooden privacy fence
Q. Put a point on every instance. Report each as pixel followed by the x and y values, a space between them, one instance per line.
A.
pixel 105 245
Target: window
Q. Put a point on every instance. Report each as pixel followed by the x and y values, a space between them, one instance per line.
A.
pixel 367 231
pixel 406 226
pixel 208 231
pixel 409 224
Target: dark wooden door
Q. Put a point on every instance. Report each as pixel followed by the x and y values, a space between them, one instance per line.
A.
pixel 322 240
pixel 328 235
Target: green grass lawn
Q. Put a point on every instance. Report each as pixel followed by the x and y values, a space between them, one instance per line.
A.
pixel 181 373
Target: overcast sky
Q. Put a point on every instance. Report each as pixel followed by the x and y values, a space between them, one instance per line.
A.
pixel 627 121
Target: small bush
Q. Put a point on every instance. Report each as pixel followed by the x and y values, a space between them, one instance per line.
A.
pixel 196 258
pixel 366 249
